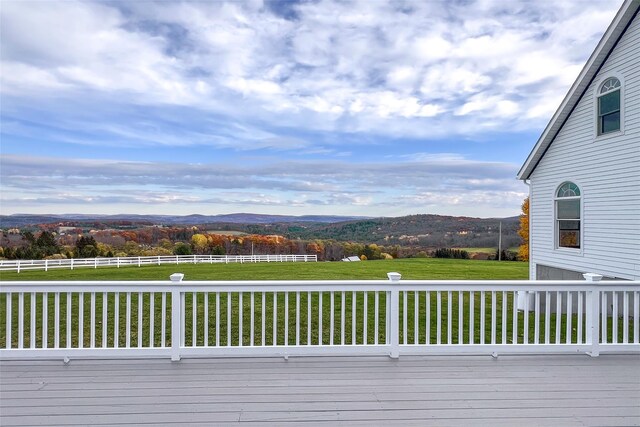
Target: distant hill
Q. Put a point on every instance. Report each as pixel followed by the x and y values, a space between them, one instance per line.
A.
pixel 425 231
pixel 22 220
pixel 413 230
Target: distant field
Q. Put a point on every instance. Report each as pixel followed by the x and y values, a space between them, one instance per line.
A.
pixel 479 250
pixel 425 268
pixel 227 232
pixel 490 251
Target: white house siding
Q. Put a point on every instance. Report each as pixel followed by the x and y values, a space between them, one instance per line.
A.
pixel 608 173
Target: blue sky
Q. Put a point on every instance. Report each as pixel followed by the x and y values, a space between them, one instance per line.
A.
pixel 368 108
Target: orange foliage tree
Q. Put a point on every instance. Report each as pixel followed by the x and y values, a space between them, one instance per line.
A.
pixel 523 250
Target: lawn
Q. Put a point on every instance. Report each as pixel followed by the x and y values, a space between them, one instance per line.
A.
pixel 418 269
pixel 228 304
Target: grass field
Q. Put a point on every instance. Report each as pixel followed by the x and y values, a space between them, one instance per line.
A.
pixel 227 232
pixel 418 269
pixel 410 268
pixel 488 251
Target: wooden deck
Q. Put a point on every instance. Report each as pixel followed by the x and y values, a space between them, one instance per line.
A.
pixel 443 391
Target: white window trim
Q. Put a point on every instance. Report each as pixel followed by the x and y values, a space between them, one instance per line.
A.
pixel 597 87
pixel 556 243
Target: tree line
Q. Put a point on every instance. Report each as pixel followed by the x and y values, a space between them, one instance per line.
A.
pixel 153 241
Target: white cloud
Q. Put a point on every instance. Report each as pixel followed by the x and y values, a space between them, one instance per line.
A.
pixel 432 48
pixel 417 182
pixel 327 79
pixel 355 66
pixel 492 106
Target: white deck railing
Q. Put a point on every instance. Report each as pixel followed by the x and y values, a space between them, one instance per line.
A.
pixel 282 318
pixel 71 263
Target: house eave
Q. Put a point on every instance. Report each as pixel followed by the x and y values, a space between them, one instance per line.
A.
pixel 614 32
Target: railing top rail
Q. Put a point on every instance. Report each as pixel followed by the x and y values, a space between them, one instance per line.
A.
pixel 321 285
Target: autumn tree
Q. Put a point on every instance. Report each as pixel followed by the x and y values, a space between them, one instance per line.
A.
pixel 523 251
pixel 372 251
pixel 199 243
pixel 315 248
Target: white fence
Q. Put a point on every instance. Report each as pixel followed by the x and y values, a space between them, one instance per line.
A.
pixel 71 263
pixel 282 318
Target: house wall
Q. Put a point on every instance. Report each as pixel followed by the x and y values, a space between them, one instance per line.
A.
pixel 607 169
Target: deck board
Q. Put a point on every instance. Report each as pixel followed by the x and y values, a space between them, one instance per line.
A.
pixel 464 390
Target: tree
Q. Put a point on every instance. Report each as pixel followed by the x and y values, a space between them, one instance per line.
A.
pixel 166 244
pixel 131 248
pixel 28 237
pixel 46 242
pixel 523 250
pixel 86 247
pixel 199 243
pixel 182 249
pixel 372 251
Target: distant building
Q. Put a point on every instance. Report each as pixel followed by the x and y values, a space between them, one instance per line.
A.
pixel 584 171
pixel 64 230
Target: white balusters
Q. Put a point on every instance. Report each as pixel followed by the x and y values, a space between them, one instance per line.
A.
pixel 68 325
pixel 449 317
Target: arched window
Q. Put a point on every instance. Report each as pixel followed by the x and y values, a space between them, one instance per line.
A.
pixel 609 106
pixel 568 216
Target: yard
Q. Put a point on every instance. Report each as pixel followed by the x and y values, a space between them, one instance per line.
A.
pixel 416 269
pixel 219 304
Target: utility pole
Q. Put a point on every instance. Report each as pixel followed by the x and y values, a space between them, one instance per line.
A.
pixel 500 243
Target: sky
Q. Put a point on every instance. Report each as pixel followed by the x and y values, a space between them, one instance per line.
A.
pixel 366 108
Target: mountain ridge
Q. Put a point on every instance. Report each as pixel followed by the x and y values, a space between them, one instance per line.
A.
pixel 21 220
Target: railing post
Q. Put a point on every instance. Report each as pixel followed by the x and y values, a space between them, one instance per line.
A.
pixel 393 316
pixel 593 314
pixel 72 263
pixel 176 316
pixel 593 321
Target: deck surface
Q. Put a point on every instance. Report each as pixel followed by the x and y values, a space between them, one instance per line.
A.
pixel 367 391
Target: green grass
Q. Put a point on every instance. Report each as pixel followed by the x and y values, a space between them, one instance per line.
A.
pixel 410 268
pixel 490 251
pixel 418 269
